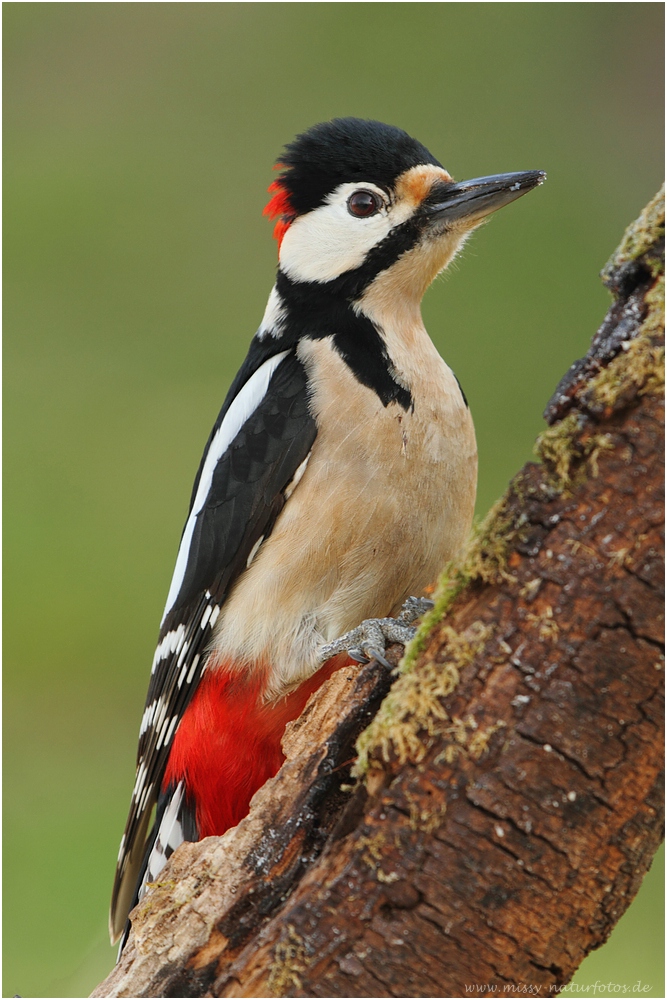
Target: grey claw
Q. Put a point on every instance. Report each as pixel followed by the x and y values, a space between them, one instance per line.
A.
pixel 358 655
pixel 377 655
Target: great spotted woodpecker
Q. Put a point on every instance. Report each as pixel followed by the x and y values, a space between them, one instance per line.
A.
pixel 338 479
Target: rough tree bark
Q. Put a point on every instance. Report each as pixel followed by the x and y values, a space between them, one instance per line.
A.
pixel 506 798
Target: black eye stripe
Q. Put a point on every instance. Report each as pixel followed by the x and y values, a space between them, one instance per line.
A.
pixel 362 204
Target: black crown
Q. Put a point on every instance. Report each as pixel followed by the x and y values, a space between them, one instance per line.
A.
pixel 346 150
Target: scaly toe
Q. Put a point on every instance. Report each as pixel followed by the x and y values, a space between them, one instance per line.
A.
pixel 414 608
pixel 371 637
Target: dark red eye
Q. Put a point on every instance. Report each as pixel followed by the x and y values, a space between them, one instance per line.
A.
pixel 363 203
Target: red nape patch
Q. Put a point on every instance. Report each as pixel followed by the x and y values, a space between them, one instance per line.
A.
pixel 228 742
pixel 279 206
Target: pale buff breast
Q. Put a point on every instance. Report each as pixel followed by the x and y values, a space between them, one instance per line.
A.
pixel 386 499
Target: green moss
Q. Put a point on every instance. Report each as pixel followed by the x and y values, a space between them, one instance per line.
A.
pixel 545 623
pixel 484 559
pixel 289 960
pixel 413 713
pixel 464 736
pixel 478 743
pixel 371 849
pixel 157 899
pixel 639 236
pixel 563 449
pixel 641 367
pixel 638 370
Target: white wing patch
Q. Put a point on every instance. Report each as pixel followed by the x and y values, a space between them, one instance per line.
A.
pixel 170 644
pixel 243 406
pixel 169 837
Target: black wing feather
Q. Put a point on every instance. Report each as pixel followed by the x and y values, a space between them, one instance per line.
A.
pixel 260 350
pixel 245 498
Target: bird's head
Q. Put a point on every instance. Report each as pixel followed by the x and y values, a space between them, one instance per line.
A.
pixel 359 203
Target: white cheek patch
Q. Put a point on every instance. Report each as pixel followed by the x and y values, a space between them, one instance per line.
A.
pixel 328 241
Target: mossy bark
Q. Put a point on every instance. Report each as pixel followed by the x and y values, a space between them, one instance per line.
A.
pixel 506 799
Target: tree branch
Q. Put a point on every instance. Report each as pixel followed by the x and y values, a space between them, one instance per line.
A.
pixel 508 793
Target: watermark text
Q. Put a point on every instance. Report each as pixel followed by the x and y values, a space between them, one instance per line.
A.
pixel 596 989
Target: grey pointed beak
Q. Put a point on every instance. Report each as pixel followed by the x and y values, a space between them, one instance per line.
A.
pixel 473 200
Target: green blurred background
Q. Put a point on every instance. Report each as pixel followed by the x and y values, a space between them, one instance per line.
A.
pixel 139 140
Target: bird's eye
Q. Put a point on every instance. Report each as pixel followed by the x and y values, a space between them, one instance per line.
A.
pixel 363 203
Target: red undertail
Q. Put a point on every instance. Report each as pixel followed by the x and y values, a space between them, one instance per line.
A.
pixel 228 742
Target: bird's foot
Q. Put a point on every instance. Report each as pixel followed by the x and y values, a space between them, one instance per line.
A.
pixel 368 640
pixel 413 609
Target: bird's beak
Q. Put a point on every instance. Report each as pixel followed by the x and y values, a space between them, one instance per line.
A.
pixel 471 201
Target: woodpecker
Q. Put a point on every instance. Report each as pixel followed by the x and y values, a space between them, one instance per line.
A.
pixel 338 479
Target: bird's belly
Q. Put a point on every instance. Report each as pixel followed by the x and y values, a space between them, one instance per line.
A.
pixel 386 499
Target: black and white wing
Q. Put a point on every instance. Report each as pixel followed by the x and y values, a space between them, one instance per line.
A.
pixel 263 434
